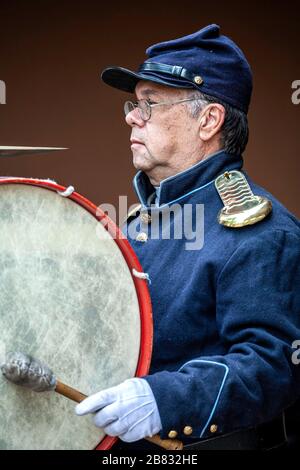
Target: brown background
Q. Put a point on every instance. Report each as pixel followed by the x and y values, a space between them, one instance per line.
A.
pixel 52 53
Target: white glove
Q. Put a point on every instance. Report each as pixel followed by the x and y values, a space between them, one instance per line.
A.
pixel 128 410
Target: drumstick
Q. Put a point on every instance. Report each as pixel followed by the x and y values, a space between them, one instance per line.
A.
pixel 22 369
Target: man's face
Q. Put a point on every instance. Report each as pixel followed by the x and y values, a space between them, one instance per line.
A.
pixel 169 141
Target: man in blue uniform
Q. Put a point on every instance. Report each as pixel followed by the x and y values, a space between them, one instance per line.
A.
pixel 225 294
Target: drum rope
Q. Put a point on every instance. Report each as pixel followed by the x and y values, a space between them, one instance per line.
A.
pixel 70 190
pixel 141 275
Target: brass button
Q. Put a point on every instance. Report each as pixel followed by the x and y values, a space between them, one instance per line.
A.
pixel 188 430
pixel 142 237
pixel 198 80
pixel 145 218
pixel 213 428
pixel 172 434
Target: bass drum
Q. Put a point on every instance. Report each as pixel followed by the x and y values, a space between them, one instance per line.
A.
pixel 69 296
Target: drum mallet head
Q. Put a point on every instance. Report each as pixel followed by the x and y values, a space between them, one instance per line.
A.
pixel 23 369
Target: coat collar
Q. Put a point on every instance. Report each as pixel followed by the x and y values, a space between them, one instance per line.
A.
pixel 176 187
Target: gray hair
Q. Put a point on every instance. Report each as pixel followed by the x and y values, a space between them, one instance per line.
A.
pixel 234 132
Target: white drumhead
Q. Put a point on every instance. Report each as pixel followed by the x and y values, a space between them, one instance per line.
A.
pixel 66 297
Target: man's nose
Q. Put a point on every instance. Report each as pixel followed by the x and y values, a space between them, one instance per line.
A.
pixel 134 118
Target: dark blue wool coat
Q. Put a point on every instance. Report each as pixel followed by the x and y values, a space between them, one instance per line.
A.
pixel 225 315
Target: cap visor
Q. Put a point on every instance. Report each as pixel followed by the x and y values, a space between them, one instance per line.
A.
pixel 126 80
pixel 120 78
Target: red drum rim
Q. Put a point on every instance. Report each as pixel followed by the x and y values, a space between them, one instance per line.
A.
pixel 132 261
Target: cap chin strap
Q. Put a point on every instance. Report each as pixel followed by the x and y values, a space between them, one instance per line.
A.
pixel 174 70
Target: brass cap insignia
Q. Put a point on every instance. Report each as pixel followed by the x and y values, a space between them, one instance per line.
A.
pixel 198 80
pixel 241 206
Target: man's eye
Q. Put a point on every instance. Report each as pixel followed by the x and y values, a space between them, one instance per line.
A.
pixel 151 102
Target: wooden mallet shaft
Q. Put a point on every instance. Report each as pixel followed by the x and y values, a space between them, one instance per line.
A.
pixel 75 395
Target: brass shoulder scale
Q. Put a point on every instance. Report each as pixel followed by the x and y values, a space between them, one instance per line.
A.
pixel 241 206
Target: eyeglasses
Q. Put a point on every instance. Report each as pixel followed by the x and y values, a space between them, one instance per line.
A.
pixel 145 106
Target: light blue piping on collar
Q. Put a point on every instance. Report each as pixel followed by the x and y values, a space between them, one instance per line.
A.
pixel 137 189
pixel 220 390
pixel 174 200
pixel 187 170
pixel 191 168
pixel 185 195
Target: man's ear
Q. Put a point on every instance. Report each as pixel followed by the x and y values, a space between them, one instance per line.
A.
pixel 211 121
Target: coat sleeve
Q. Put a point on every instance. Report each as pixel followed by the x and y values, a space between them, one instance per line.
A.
pixel 258 318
